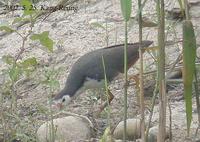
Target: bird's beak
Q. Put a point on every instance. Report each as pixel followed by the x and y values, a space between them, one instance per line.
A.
pixel 57 106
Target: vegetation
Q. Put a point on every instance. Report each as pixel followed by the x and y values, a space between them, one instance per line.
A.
pixel 20 68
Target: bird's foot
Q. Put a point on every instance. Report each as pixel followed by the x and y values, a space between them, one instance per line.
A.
pixel 135 78
pixel 105 104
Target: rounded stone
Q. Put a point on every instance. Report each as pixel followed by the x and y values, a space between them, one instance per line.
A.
pixel 133 129
pixel 66 129
pixel 153 132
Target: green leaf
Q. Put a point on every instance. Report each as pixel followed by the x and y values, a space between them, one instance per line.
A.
pixel 29 62
pixel 27 6
pixel 16 20
pixel 22 19
pixel 98 25
pixel 189 55
pixel 8 59
pixel 54 83
pixel 107 137
pixel 28 66
pixel 14 73
pixel 126 6
pixel 51 83
pixel 44 40
pixel 6 28
pixel 28 71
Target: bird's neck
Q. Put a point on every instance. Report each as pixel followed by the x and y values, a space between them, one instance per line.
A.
pixel 74 83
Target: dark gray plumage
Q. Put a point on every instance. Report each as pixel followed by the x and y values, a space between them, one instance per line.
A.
pixel 90 66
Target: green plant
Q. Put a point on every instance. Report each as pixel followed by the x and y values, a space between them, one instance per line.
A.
pixel 52 83
pixel 161 70
pixel 126 6
pixel 142 105
pixel 18 69
pixel 189 56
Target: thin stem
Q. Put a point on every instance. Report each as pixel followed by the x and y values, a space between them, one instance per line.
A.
pixel 125 86
pixel 174 65
pixel 155 94
pixel 2 117
pixel 141 75
pixel 197 95
pixel 107 91
pixel 161 70
pixel 187 15
pixel 170 121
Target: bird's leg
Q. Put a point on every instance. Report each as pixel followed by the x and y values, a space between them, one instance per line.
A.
pixel 101 98
pixel 105 104
pixel 137 83
pixel 135 78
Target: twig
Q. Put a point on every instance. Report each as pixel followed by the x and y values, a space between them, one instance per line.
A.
pixel 141 82
pixel 170 121
pixel 155 93
pixel 197 99
pixel 161 71
pixel 196 132
pixel 24 39
pixel 174 65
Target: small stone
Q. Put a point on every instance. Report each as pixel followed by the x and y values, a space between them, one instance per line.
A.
pixel 153 132
pixel 67 129
pixel 197 140
pixel 198 52
pixel 54 25
pixel 133 129
pixel 118 141
pixel 174 14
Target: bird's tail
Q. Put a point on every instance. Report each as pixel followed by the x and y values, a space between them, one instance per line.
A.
pixel 145 43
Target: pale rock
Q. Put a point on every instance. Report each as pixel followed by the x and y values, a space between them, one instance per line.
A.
pixel 133 129
pixel 153 132
pixel 67 129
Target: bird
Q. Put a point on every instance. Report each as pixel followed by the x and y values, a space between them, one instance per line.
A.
pixel 88 71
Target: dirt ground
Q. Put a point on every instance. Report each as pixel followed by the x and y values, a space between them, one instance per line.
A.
pixel 73 36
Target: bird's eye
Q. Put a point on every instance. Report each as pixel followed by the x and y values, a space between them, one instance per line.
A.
pixel 63 100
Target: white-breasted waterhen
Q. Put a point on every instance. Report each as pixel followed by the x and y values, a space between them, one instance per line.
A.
pixel 87 72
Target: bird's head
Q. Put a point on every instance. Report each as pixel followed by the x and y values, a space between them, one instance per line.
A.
pixel 60 102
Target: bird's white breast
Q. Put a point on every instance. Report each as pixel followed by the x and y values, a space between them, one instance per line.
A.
pixel 92 83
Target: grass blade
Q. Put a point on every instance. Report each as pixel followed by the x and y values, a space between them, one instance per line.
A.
pixel 189 54
pixel 126 6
